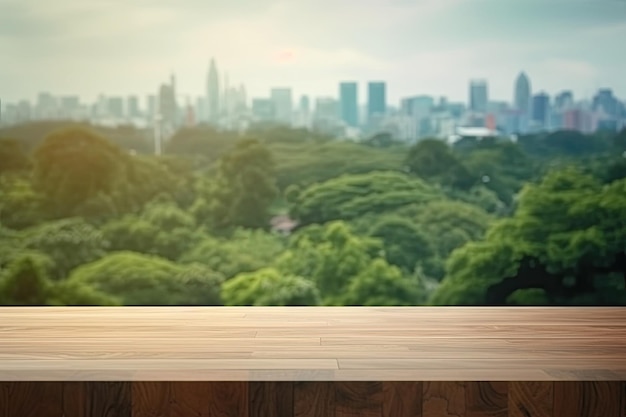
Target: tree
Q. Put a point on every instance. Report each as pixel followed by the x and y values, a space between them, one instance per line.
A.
pixel 13 157
pixel 161 229
pixel 137 279
pixel 381 284
pixel 351 196
pixel 330 256
pixel 244 251
pixel 405 245
pixel 268 287
pixel 566 238
pixel 243 190
pixel 20 205
pixel 433 160
pixel 68 242
pixel 73 166
pixel 25 282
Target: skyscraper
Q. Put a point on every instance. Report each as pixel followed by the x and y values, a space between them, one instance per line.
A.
pixel 564 100
pixel 522 94
pixel 541 109
pixel 376 99
pixel 348 103
pixel 213 93
pixel 283 104
pixel 479 96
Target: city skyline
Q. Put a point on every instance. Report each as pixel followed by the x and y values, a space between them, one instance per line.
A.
pixel 421 47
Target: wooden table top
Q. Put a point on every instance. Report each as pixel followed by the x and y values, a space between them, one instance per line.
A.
pixel 311 344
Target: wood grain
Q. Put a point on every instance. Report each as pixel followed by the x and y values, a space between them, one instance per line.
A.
pixel 151 399
pixel 312 344
pixel 228 399
pixel 314 399
pixel 31 399
pixel 358 399
pixel 93 399
pixel 402 399
pixel 486 399
pixel 531 399
pixel 587 399
pixel 444 399
pixel 271 399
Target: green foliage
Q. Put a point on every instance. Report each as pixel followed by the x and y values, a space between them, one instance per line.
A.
pixel 137 279
pixel 244 251
pixel 268 287
pixel 160 229
pixel 205 144
pixel 20 204
pixel 569 223
pixel 381 284
pixel 405 244
pixel 331 256
pixel 433 160
pixel 13 157
pixel 25 281
pixel 74 166
pixel 351 196
pixel 307 162
pixel 564 144
pixel 69 243
pixel 242 192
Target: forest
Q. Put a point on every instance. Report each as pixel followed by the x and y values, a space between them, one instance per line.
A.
pixel 288 217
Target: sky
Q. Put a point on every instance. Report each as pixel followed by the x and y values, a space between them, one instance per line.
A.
pixel 434 47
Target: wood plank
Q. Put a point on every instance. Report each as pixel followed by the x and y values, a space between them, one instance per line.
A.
pixel 250 343
pixel 587 399
pixel 444 399
pixel 228 399
pixel 97 399
pixel 4 399
pixel 270 399
pixel 531 399
pixel 486 399
pixel 189 398
pixel 151 399
pixel 402 399
pixel 34 399
pixel 358 399
pixel 314 399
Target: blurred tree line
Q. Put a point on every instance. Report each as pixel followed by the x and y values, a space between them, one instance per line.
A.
pixel 89 217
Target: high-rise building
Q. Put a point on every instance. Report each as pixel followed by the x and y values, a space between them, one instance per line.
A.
pixel 376 100
pixel 349 106
pixel 263 109
pixel 606 102
pixel 132 106
pixel 417 106
pixel 564 100
pixel 522 96
pixel 116 107
pixel 326 108
pixel 213 94
pixel 479 96
pixel 305 105
pixel 541 110
pixel 283 105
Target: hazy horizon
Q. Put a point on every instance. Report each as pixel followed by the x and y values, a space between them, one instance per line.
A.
pixel 429 47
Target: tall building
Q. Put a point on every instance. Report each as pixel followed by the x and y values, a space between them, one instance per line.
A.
pixel 263 109
pixel 116 107
pixel 132 106
pixel 417 106
pixel 349 106
pixel 283 105
pixel 213 93
pixel 305 105
pixel 606 102
pixel 522 96
pixel 376 99
pixel 564 100
pixel 479 96
pixel 541 110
